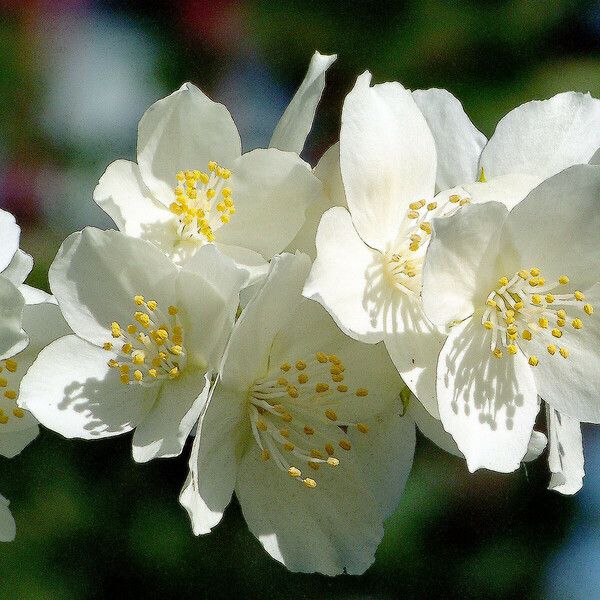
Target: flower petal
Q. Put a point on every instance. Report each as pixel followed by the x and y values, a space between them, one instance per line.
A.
pixel 557 227
pixel 461 263
pixel 163 431
pixel 542 138
pixel 457 141
pixel 184 131
pixel 8 528
pixel 310 329
pixel 271 190
pixel 71 390
pixel 253 263
pixel 385 455
pixel 328 172
pixel 13 442
pixel 571 385
pixel 331 529
pixel 506 189
pixel 414 345
pixel 347 278
pixel 489 405
pixel 96 275
pixel 9 234
pixel 566 453
pixel 122 194
pixel 12 338
pixel 20 266
pixel 387 156
pixel 214 460
pixel 269 311
pixel 296 122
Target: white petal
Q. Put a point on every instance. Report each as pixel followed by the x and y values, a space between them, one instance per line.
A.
pixel 271 190
pixel 566 453
pixel 328 172
pixel 13 442
pixel 165 428
pixel 544 137
pixel 310 329
pixel 71 390
pixel 332 529
pixel 9 236
pixel 347 278
pixel 20 266
pixel 385 455
pixel 214 460
pixel 96 275
pixel 506 189
pixel 34 296
pixel 557 227
pixel 432 428
pixel 296 122
pixel 461 265
pixel 184 131
pixel 12 337
pixel 8 528
pixel 458 142
pixel 489 405
pixel 253 263
pixel 414 345
pixel 269 311
pixel 387 156
pixel 571 385
pixel 122 194
pixel 537 444
pixel 595 160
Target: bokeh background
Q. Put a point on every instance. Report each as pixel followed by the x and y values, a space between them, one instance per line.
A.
pixel 75 77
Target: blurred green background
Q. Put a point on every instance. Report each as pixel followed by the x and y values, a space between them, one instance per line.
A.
pixel 75 77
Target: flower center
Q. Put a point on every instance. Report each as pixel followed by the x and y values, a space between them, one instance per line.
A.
pixel 525 306
pixel 151 346
pixel 202 203
pixel 403 265
pixel 9 386
pixel 292 411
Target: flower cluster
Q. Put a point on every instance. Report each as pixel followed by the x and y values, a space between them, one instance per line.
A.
pixel 301 323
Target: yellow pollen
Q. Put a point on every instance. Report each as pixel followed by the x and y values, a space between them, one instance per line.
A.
pixel 345 445
pixel 342 388
pixel 563 280
pixel 543 322
pixel 316 453
pixel 579 296
pixel 173 310
pixel 512 349
pixel 523 274
pixel 491 303
pixel 3 419
pixel 332 461
pixel 588 309
pixel 300 365
pixel 139 300
pixel 265 454
pixel 3 382
pixel 551 349
pixel 536 299
pixel 308 430
pixel 557 333
pixel 549 298
pixel 321 387
pixel 331 415
pixel 488 325
pixel 413 214
pixel 313 465
pixel 526 334
pixel 561 314
pixel 283 432
pixel 321 357
pixel 497 353
pixel 302 378
pixel 432 206
pixel 153 372
pixel 519 305
pixel 564 353
pixel 454 198
pixel 285 367
pixel 533 361
pixel 294 472
pixel 137 375
pixel 426 227
pixel 131 329
pixel 503 281
pixel 362 427
pixel 362 392
pixel 10 394
pixel 512 329
pixel 310 483
pixel 577 323
pixel 287 417
pixel 292 391
pixel 115 330
pixel 261 425
pixel 329 449
pixel 124 378
pixel 535 272
pixel 561 322
pixel 18 412
pixel 282 381
pixel 288 447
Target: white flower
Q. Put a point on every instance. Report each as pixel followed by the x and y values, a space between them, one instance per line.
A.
pixel 147 337
pixel 192 185
pixel 304 424
pixel 369 258
pixel 518 290
pixel 531 143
